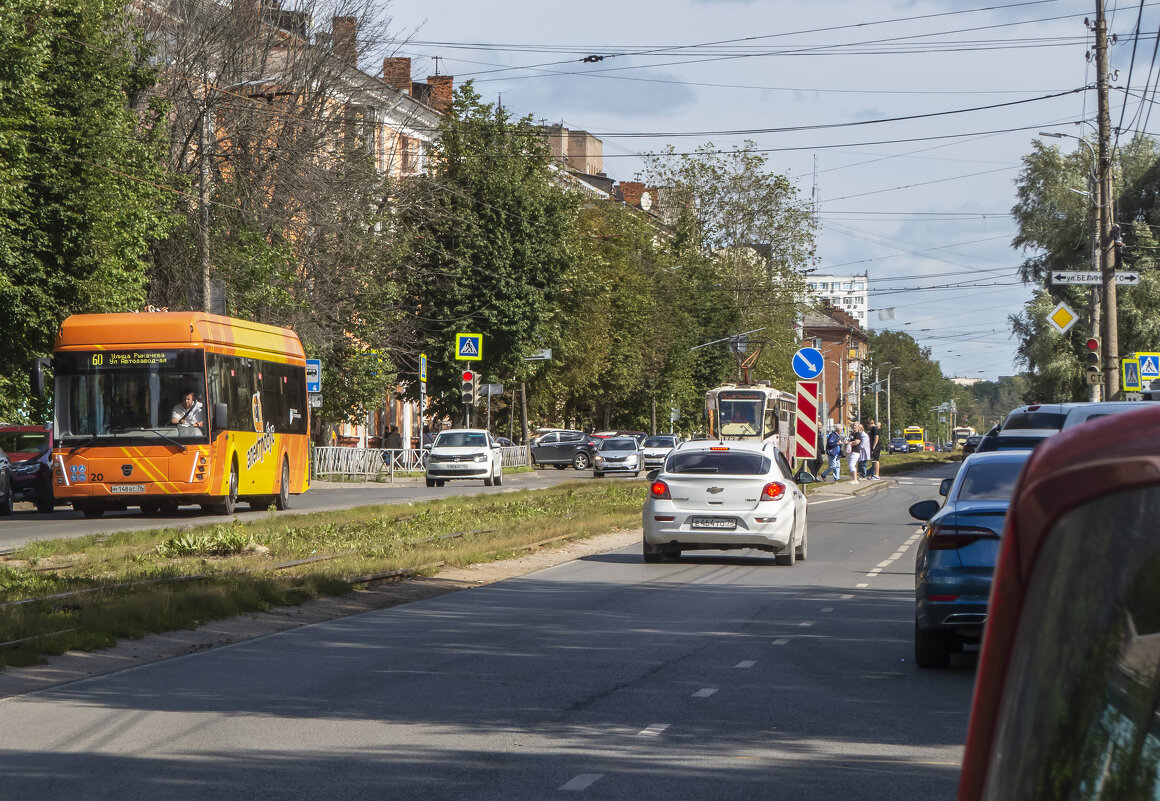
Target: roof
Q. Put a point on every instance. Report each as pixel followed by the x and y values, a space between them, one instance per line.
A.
pixel 175 329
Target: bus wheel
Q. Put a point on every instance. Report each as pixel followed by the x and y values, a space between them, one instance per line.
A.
pixel 230 502
pixel 282 500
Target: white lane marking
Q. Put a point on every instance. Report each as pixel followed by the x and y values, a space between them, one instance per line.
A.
pixel 845 597
pixel 583 781
pixel 705 693
pixel 860 586
pixel 874 572
pixel 884 564
pixel 653 730
pixel 827 609
pixel 747 663
pixel 832 500
pixel 780 642
pixel 805 624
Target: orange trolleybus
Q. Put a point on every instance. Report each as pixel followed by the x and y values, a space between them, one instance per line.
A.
pixel 158 410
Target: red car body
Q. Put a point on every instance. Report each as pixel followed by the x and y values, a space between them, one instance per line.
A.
pixel 1056 707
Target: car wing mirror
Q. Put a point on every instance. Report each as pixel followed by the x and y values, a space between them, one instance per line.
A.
pixel 804 477
pixel 496 445
pixel 924 510
pixel 944 487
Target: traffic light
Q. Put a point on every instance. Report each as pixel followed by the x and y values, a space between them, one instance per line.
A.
pixel 467 388
pixel 1093 370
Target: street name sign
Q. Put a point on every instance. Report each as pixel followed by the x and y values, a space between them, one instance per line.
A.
pixel 1129 277
pixel 1062 318
pixel 542 355
pixel 469 347
pixel 807 363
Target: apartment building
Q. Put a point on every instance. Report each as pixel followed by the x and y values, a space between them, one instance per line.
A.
pixel 850 293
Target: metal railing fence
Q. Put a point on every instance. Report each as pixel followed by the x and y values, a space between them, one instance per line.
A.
pixel 370 463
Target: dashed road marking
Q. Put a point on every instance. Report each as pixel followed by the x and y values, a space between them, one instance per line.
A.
pixel 845 597
pixel 805 624
pixel 704 692
pixel 653 730
pixel 747 663
pixel 860 586
pixel 583 781
pixel 827 609
pixel 780 642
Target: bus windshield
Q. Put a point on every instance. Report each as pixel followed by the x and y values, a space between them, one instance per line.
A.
pixel 119 394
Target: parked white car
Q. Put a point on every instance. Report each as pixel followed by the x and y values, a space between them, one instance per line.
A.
pixel 713 495
pixel 464 453
pixel 656 448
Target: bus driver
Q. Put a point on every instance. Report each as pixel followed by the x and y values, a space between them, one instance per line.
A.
pixel 187 413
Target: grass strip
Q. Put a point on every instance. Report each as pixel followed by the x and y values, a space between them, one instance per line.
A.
pixel 91 591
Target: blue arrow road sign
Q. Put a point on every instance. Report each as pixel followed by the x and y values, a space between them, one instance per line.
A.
pixel 807 363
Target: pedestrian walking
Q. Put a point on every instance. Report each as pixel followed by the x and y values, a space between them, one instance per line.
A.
pixel 864 457
pixel 834 453
pixel 854 454
pixel 875 432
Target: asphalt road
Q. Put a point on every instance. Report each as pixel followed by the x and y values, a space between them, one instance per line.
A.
pixel 720 676
pixel 26 524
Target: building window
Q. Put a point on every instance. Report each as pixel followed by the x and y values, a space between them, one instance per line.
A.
pixel 823 286
pixel 848 301
pixel 847 286
pixel 859 286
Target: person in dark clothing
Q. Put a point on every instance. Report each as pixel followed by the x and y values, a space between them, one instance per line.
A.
pixel 834 452
pixel 394 441
pixel 875 450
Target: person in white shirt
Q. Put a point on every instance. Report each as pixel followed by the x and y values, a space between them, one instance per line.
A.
pixel 188 413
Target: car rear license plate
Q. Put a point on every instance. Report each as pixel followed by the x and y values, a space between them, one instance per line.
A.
pixel 714 522
pixel 126 488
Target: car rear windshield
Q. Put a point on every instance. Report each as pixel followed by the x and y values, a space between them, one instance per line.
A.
pixel 1034 420
pixel 990 482
pixel 24 441
pixel 733 463
pixel 460 439
pixel 659 442
pixel 618 445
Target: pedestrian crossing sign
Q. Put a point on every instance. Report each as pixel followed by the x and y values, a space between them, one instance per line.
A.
pixel 1149 365
pixel 1130 375
pixel 469 347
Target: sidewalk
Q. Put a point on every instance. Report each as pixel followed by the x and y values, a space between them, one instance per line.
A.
pixel 831 489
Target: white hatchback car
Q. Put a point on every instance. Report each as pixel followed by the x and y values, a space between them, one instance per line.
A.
pixel 713 495
pixel 464 453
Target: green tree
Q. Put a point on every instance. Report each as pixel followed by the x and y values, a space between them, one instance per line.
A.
pixel 488 238
pixel 1054 220
pixel 82 187
pixel 916 387
pixel 757 230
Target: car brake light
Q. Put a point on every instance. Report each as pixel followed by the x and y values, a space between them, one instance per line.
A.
pixel 942 597
pixel 660 489
pixel 772 491
pixel 950 538
pixel 718 448
pixel 664 518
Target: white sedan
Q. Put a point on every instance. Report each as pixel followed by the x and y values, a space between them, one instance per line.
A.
pixel 714 495
pixel 464 453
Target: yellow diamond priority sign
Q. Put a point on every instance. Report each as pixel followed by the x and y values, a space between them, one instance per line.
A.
pixel 1062 318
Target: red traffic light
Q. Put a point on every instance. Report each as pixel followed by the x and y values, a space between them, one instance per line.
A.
pixel 468 375
pixel 1092 343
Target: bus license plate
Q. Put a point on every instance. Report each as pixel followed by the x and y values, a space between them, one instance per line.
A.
pixel 126 488
pixel 714 522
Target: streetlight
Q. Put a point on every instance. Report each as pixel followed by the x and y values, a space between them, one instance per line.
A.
pixel 204 158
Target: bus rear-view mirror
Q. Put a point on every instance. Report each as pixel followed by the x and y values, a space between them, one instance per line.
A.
pixel 220 415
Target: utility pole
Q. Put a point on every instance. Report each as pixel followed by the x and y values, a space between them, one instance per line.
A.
pixel 1111 338
pixel 203 156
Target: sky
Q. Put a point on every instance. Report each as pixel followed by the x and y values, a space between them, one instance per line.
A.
pixel 917 204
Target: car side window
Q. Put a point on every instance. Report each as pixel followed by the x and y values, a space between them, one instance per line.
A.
pixel 550 439
pixel 1080 716
pixel 783 465
pixel 571 437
